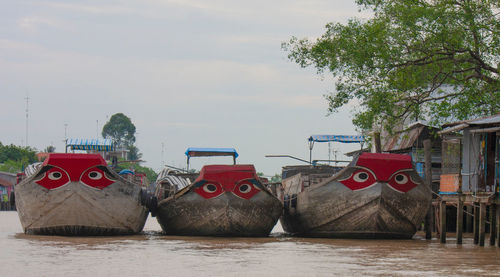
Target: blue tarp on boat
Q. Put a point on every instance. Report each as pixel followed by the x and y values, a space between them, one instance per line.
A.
pixel 337 138
pixel 200 152
pixel 90 144
pixel 126 171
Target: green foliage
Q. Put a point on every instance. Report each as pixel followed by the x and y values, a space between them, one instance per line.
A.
pixel 435 60
pixel 13 166
pixel 50 149
pixel 276 178
pixel 133 153
pixel 150 173
pixel 15 158
pixel 120 129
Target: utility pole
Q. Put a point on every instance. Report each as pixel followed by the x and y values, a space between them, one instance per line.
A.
pixel 329 152
pixel 65 138
pixel 162 152
pixel 27 112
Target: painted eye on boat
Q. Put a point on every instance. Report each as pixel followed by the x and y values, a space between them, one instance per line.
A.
pixel 55 175
pixel 96 178
pixel 401 179
pixel 210 188
pixel 245 188
pixel 94 175
pixel 361 177
pixel 402 182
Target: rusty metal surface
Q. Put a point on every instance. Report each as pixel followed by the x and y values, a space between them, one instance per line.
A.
pixel 403 140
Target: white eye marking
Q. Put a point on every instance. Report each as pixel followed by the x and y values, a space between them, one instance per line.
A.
pixel 401 179
pixel 95 175
pixel 210 188
pixel 55 175
pixel 360 177
pixel 244 188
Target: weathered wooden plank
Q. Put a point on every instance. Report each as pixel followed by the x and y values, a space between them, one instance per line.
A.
pixel 460 218
pixel 493 223
pixel 428 181
pixel 482 223
pixel 476 223
pixel 442 223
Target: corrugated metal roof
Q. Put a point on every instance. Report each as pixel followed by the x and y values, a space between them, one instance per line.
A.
pixel 403 140
pixel 488 120
pixel 494 119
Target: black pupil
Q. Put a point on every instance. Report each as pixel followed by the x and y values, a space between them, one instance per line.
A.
pixel 244 188
pixel 363 176
pixel 400 178
pixel 211 187
pixel 93 174
pixel 56 174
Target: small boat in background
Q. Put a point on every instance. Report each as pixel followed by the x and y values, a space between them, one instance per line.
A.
pixel 222 200
pixel 375 196
pixel 79 195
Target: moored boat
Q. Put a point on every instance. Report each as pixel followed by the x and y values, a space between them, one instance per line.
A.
pixel 375 196
pixel 78 195
pixel 222 200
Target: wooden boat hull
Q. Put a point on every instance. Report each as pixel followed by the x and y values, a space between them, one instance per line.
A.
pixel 76 209
pixel 332 209
pixel 224 213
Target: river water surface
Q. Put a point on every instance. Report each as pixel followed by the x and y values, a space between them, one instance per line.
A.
pixel 153 254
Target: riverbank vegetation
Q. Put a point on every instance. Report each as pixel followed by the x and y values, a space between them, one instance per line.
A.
pixel 14 158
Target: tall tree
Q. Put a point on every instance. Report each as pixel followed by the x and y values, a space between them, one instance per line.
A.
pixel 120 129
pixel 413 59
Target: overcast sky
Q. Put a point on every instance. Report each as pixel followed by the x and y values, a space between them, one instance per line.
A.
pixel 189 73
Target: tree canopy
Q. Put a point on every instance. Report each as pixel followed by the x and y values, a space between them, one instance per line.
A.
pixel 436 60
pixel 14 158
pixel 120 129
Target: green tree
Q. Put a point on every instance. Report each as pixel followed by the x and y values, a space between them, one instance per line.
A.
pixel 15 158
pixel 133 153
pixel 120 129
pixel 50 149
pixel 276 178
pixel 413 59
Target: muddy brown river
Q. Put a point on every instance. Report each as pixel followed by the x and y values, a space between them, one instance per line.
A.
pixel 153 254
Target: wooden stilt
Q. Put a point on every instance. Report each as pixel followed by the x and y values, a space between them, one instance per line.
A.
pixel 460 219
pixel 497 227
pixel 427 224
pixel 493 223
pixel 482 223
pixel 468 219
pixel 428 181
pixel 476 223
pixel 442 224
